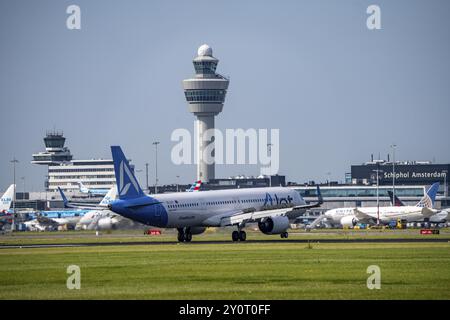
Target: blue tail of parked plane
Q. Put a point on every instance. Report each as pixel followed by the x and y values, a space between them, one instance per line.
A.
pixel 428 199
pixel 127 185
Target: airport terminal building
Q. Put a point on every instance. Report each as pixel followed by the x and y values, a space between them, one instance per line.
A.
pixel 64 172
pixel 411 179
pixel 406 173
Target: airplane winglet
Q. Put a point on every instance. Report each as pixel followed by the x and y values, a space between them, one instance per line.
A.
pixel 63 196
pixel 319 196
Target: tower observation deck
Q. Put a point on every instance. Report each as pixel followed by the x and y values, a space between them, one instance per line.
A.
pixel 55 152
pixel 205 95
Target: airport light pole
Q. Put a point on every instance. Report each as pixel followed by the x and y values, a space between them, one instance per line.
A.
pixel 156 165
pixel 378 191
pixel 178 182
pixel 14 161
pixel 393 146
pixel 146 178
pixel 136 171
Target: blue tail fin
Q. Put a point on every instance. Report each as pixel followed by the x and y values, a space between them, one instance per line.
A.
pixel 428 199
pixel 63 196
pixel 127 185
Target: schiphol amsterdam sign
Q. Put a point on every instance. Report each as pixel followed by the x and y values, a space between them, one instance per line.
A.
pixel 416 175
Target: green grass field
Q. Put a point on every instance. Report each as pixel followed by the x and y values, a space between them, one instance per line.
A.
pixel 229 271
pixel 23 238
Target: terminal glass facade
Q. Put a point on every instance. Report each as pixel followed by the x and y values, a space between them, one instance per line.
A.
pixel 350 192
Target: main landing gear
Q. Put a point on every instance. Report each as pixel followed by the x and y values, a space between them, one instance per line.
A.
pixel 184 234
pixel 239 236
pixel 284 235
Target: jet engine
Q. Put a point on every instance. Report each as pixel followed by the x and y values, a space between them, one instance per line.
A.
pixel 107 223
pixel 274 225
pixel 349 221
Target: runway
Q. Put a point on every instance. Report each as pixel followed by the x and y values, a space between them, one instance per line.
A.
pixel 154 243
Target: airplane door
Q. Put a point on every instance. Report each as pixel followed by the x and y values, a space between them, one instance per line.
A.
pixel 202 204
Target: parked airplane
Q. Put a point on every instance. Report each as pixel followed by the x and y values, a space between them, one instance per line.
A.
pixel 192 212
pixel 84 189
pixel 440 217
pixel 53 219
pixel 348 217
pixel 5 206
pixel 6 199
pixel 195 186
pixel 100 218
pixel 395 202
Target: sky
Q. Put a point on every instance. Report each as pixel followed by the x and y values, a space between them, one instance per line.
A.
pixel 337 91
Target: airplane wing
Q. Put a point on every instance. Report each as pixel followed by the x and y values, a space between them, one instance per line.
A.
pixel 428 212
pixel 244 217
pixel 46 221
pixel 361 215
pixel 76 205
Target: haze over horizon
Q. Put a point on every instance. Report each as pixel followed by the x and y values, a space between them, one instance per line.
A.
pixel 337 91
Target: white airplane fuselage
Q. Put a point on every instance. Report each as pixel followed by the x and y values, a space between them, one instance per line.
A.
pixel 207 208
pixel 385 214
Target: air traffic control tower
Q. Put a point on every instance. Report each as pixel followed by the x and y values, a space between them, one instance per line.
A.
pixel 205 95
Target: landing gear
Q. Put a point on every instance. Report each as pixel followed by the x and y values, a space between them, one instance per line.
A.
pixel 184 234
pixel 239 236
pixel 284 235
pixel 188 236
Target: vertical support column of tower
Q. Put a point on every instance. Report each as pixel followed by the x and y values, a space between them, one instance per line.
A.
pixel 205 95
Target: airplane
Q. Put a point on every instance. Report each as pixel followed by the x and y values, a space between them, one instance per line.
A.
pixel 5 205
pixel 395 202
pixel 192 212
pixel 100 218
pixel 349 217
pixel 84 189
pixel 6 199
pixel 440 217
pixel 195 186
pixel 53 219
pixel 94 213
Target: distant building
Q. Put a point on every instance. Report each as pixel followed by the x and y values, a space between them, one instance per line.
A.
pixel 366 196
pixel 406 173
pixel 64 172
pixel 94 174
